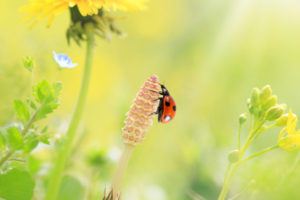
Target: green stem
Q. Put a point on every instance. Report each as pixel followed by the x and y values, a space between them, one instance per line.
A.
pixel 250 122
pixel 269 127
pixel 259 153
pixel 57 172
pixel 26 128
pixel 239 137
pixel 6 157
pixel 230 176
pixel 227 182
pixel 227 171
pixel 243 191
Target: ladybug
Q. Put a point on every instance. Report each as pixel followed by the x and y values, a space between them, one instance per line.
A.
pixel 166 108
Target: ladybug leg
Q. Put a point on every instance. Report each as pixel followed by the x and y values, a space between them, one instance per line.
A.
pixel 156 92
pixel 158 108
pixel 154 113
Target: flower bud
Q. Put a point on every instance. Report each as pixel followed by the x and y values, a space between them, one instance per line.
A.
pixel 265 93
pixel 251 109
pixel 284 106
pixel 248 102
pixel 272 101
pixel 139 117
pixel 242 118
pixel 234 156
pixel 282 121
pixel 260 114
pixel 274 113
pixel 255 96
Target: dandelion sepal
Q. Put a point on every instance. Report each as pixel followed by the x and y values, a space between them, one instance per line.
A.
pixel 104 25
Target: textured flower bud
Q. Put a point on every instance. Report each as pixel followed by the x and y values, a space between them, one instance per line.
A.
pixel 274 113
pixel 234 156
pixel 139 117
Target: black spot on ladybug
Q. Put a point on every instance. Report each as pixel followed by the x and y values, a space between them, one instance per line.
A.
pixel 174 108
pixel 167 103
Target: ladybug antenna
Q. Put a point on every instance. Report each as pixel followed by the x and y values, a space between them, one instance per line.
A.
pixel 162 84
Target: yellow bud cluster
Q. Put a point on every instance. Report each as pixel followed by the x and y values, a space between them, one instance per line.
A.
pixel 263 105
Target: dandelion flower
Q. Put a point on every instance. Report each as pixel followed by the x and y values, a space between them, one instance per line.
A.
pixel 41 9
pixel 289 138
pixel 63 60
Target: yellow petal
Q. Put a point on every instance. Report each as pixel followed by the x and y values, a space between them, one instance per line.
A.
pixel 291 123
pixel 290 143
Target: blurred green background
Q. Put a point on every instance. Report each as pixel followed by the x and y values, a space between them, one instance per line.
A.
pixel 209 54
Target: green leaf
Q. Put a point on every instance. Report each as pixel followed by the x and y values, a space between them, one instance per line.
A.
pixel 71 189
pixel 31 141
pixel 57 87
pixel 18 164
pixel 29 146
pixel 45 110
pixel 44 130
pixel 97 158
pixel 34 164
pixel 16 185
pixel 14 138
pixel 45 93
pixel 22 110
pixel 45 139
pixel 41 91
pixel 31 104
pixel 2 141
pixel 28 63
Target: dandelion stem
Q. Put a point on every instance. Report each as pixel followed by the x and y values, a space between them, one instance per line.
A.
pixel 57 172
pixel 121 168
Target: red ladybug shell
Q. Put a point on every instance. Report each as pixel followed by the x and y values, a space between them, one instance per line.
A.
pixel 166 109
pixel 169 109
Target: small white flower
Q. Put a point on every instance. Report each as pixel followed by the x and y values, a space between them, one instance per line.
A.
pixel 63 60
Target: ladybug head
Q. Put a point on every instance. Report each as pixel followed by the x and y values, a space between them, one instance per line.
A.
pixel 164 90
